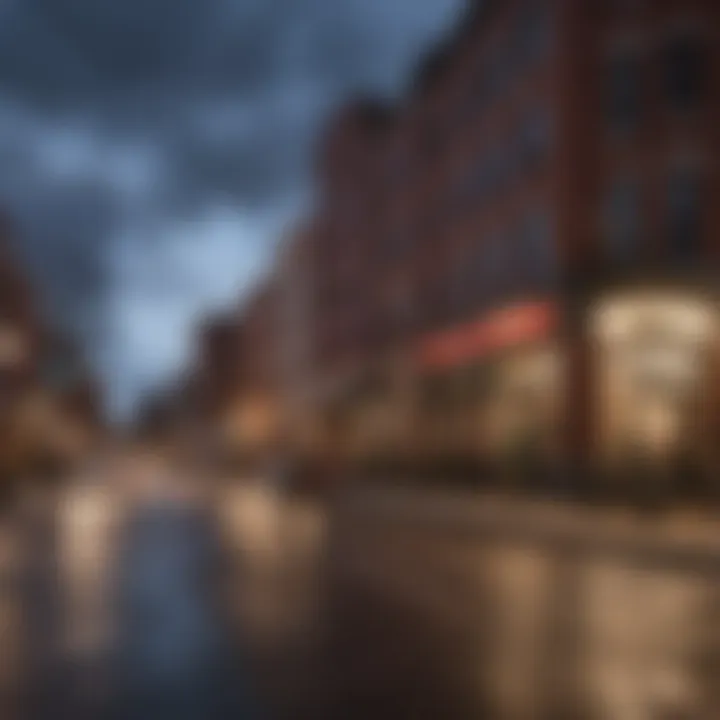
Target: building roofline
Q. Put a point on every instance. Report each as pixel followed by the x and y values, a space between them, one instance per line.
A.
pixel 438 60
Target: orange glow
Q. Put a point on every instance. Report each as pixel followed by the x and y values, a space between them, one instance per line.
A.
pixel 501 329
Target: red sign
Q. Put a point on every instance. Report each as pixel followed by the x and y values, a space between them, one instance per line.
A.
pixel 502 329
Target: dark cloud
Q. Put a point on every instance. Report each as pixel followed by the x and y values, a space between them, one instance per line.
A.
pixel 122 122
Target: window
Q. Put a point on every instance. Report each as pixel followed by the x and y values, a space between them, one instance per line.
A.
pixel 621 219
pixel 398 163
pixel 684 213
pixel 534 140
pixel 398 243
pixel 533 31
pixel 488 82
pixel 465 283
pixel 686 71
pixel 437 393
pixel 494 76
pixel 479 91
pixel 496 261
pixel 432 136
pixel 504 169
pixel 495 172
pixel 626 6
pixel 623 91
pixel 537 248
pixel 474 184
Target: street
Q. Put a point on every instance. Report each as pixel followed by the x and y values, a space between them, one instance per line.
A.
pixel 244 602
pixel 109 610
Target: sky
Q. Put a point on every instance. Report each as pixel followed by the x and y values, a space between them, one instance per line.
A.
pixel 152 152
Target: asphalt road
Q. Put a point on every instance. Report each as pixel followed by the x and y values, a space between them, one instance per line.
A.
pixel 390 605
pixel 172 655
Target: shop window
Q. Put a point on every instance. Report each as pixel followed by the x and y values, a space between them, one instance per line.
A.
pixel 686 67
pixel 623 89
pixel 684 213
pixel 621 219
pixel 435 393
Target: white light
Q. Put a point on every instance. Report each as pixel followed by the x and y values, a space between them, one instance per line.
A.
pixel 685 318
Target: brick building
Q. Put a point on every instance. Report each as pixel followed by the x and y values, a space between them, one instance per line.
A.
pixel 296 345
pixel 220 363
pixel 51 407
pixel 556 158
pixel 252 419
pixel 349 248
pixel 20 329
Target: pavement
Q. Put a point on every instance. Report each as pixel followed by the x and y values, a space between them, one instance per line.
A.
pixel 118 610
pixel 528 608
pixel 391 603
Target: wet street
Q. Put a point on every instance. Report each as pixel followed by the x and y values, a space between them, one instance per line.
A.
pixel 243 603
pixel 115 610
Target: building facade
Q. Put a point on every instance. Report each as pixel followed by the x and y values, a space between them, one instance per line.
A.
pixel 50 406
pixel 501 262
pixel 299 387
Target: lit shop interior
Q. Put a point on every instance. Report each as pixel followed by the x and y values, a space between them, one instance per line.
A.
pixel 522 413
pixel 491 396
pixel 369 420
pixel 656 388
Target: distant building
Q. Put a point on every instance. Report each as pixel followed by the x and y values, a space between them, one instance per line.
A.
pixel 298 383
pixel 20 325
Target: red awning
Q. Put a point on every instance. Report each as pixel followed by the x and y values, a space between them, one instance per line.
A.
pixel 502 329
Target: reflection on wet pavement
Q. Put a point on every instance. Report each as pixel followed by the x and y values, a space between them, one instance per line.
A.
pixel 171 657
pixel 180 608
pixel 119 612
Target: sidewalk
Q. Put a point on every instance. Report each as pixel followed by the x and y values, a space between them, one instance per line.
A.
pixel 693 535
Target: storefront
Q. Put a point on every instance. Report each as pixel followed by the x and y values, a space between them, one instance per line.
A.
pixel 373 417
pixel 250 427
pixel 522 413
pixel 491 392
pixel 656 387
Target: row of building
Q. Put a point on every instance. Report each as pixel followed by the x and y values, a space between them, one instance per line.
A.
pixel 50 410
pixel 516 266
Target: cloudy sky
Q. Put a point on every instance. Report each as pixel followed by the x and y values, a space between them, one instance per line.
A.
pixel 152 151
